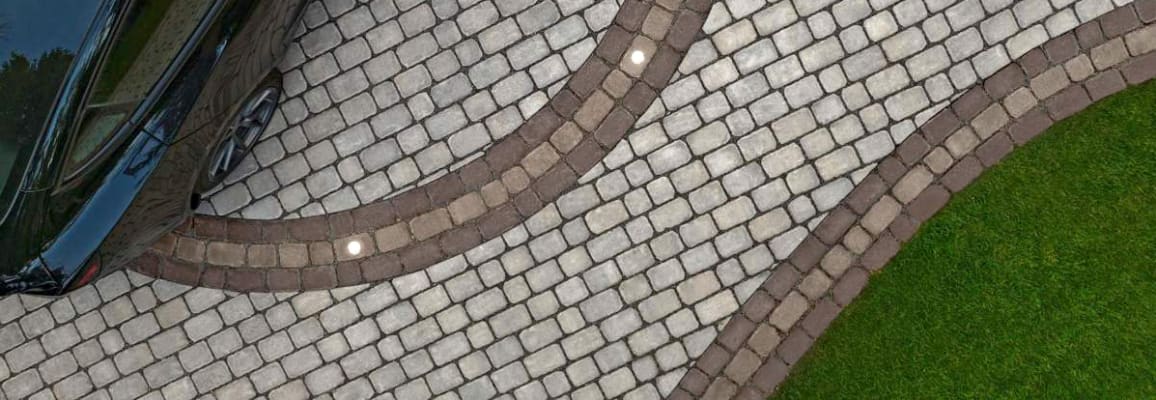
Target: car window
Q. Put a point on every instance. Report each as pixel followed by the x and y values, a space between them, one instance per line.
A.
pixel 38 41
pixel 151 35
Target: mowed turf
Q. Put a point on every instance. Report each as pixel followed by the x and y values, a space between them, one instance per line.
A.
pixel 1038 281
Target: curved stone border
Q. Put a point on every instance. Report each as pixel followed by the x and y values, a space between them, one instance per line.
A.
pixel 778 324
pixel 513 180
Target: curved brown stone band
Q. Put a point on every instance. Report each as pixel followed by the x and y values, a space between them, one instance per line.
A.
pixel 780 321
pixel 516 177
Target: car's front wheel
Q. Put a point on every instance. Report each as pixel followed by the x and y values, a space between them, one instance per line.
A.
pixel 241 133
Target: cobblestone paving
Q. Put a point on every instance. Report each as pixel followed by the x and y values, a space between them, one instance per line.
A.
pixel 777 325
pixel 613 290
pixel 386 95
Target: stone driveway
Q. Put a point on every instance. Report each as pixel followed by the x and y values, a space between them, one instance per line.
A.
pixel 612 291
pixel 384 96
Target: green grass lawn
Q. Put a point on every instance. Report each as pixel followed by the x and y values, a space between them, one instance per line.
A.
pixel 1038 281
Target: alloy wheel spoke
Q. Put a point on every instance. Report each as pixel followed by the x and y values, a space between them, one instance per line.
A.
pixel 244 132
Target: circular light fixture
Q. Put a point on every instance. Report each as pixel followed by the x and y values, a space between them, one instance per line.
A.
pixel 637 57
pixel 354 248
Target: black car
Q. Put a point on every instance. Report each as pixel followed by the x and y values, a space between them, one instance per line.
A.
pixel 114 115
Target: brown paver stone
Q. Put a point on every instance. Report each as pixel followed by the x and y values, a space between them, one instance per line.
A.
pixel 661 67
pixel 695 381
pixel 849 285
pixel 891 169
pixel 566 137
pixel 321 253
pixel 1119 21
pixel 721 389
pixel 912 184
pixel 588 78
pixel 857 239
pixel 940 126
pixel 540 159
pixel 866 193
pixel 764 340
pixel 443 190
pixel 243 231
pixel 819 318
pixel 743 366
pixel 1146 9
pixel 244 280
pixel 880 215
pixel 1029 126
pixel 309 229
pixel 293 255
pixel 880 252
pixel 262 255
pixel 788 311
pixel 771 374
pixel 994 150
pixel 903 227
pixel 962 142
pixel 794 346
pixel 1050 82
pixel 1089 35
pixel 1034 62
pixel 930 202
pixel 684 30
pixel 283 280
pixel 1068 102
pixel 1062 48
pixel 211 227
pixel 585 155
pixel 1079 68
pixel 614 44
pixel 808 253
pixel 555 181
pixel 467 207
pixel 962 174
pixel 223 253
pixel 614 127
pixel 912 149
pixel 971 103
pixel 190 249
pixel 1105 84
pixel 1003 82
pixel 1140 69
pixel 657 23
pixel 938 160
pixel 1019 102
pixel 781 281
pixel 835 225
pixel 737 330
pixel 837 261
pixel 815 284
pixel 631 14
pixel 990 121
pixel 593 111
pixel 639 98
pixel 318 278
pixel 713 360
pixel 758 306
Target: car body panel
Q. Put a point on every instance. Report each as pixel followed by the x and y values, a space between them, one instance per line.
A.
pixel 141 189
pixel 252 52
pixel 23 224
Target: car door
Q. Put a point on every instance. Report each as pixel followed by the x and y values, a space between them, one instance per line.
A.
pixel 241 44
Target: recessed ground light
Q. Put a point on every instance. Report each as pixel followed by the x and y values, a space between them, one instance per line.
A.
pixel 637 57
pixel 354 248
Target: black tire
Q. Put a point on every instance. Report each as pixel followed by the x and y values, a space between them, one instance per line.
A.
pixel 240 133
